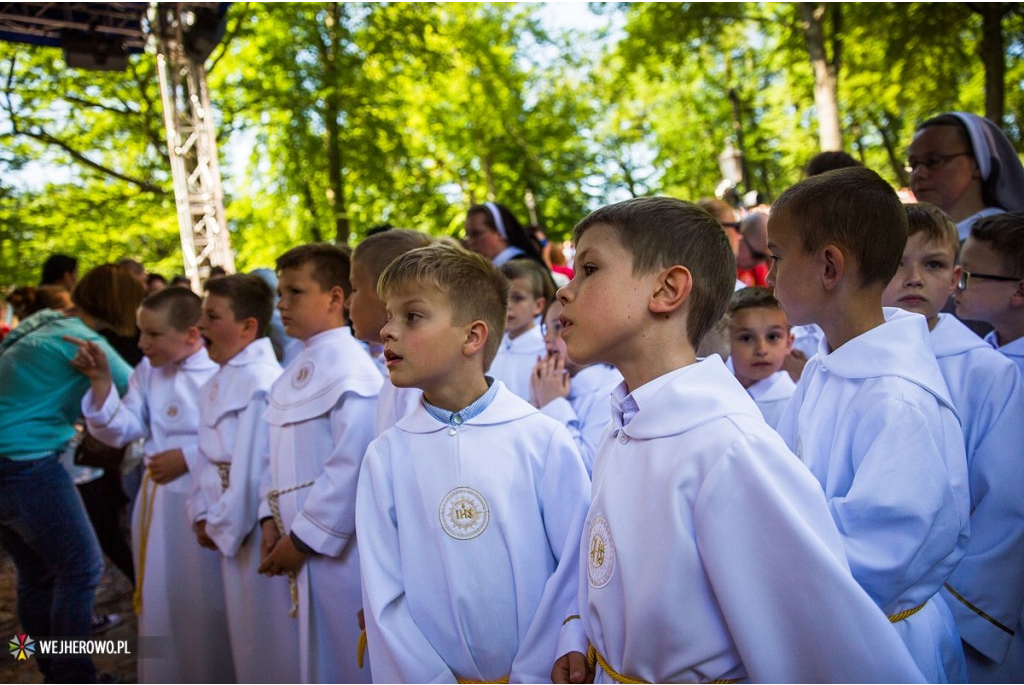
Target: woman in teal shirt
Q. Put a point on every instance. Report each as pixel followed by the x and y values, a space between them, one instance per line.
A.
pixel 43 525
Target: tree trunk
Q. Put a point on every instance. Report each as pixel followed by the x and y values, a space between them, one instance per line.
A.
pixel 991 52
pixel 825 76
pixel 332 113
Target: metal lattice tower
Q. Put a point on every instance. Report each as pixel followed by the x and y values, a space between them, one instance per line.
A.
pixel 191 144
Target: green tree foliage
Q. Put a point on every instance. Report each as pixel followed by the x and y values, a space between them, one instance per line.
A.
pixel 355 114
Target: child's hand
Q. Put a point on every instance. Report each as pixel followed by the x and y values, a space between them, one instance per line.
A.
pixel 270 538
pixel 794 364
pixel 202 538
pixel 571 668
pixel 91 361
pixel 166 466
pixel 283 558
pixel 549 380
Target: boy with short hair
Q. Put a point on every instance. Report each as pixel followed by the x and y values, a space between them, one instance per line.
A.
pixel 991 285
pixel 321 417
pixel 708 551
pixel 574 395
pixel 759 342
pixel 470 508
pixel 871 416
pixel 368 315
pixel 179 597
pixel 986 592
pixel 232 459
pixel 530 289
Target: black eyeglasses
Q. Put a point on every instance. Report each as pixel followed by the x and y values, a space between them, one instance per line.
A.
pixel 933 161
pixel 966 276
pixel 755 253
pixel 730 224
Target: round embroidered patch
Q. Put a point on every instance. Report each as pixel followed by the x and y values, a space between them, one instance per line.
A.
pixel 600 553
pixel 464 513
pixel 302 375
pixel 172 410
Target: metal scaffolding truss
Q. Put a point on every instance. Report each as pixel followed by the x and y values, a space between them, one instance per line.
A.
pixel 100 36
pixel 191 145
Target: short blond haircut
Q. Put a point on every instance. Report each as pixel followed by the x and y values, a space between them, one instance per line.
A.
pixel 474 288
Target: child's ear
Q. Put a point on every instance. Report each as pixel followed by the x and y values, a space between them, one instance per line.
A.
pixel 789 342
pixel 251 327
pixel 833 262
pixel 337 297
pixel 672 289
pixel 539 305
pixel 193 336
pixel 477 334
pixel 1017 299
pixel 957 270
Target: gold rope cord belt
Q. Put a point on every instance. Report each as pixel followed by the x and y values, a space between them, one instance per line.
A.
pixel 146 518
pixel 479 682
pixel 594 657
pixel 223 469
pixel 275 511
pixel 896 618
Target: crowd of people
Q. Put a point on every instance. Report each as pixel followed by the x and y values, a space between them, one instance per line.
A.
pixel 720 445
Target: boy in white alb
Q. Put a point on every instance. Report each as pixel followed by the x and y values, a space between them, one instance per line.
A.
pixel 991 285
pixel 530 289
pixel 367 313
pixel 708 551
pixel 576 396
pixel 986 592
pixel 232 460
pixel 321 413
pixel 470 509
pixel 871 416
pixel 759 341
pixel 179 597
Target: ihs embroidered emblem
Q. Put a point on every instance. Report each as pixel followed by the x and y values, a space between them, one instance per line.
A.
pixel 464 513
pixel 600 553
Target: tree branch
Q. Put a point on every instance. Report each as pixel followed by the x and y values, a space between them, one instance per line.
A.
pixel 99 105
pixel 45 137
pixel 225 42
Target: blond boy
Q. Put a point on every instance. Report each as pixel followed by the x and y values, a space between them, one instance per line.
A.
pixel 470 508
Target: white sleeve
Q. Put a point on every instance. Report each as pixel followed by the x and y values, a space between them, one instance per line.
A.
pixel 326 521
pixel 772 555
pixel 120 420
pixel 399 651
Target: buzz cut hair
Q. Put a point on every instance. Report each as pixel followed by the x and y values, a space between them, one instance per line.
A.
pixel 661 232
pixel 1004 234
pixel 180 306
pixel 753 298
pixel 380 249
pixel 934 223
pixel 853 208
pixel 330 264
pixel 474 288
pixel 248 296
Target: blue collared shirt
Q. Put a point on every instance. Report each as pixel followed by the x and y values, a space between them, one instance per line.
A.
pixel 473 410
